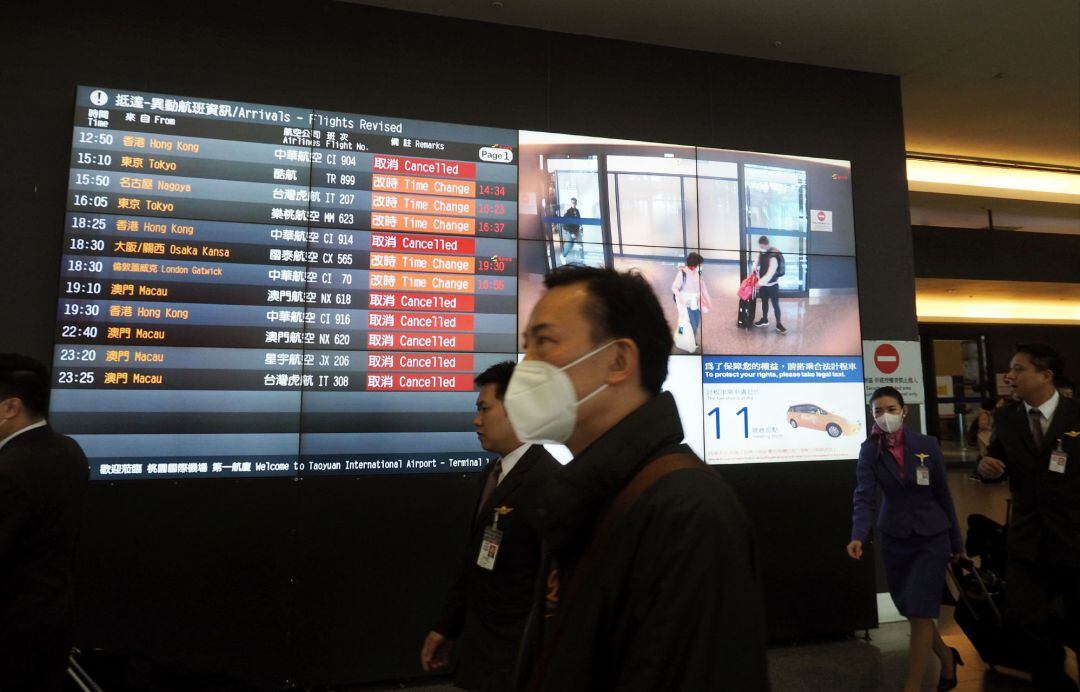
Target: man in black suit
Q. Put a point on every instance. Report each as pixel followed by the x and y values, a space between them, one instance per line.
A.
pixel 489 602
pixel 1038 442
pixel 43 479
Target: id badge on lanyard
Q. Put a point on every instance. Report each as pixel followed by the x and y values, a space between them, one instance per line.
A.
pixel 1059 459
pixel 922 474
pixel 489 546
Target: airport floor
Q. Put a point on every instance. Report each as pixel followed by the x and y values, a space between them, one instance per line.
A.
pixel 854 665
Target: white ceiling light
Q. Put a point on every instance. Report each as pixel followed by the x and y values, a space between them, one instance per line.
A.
pixel 982 301
pixel 982 180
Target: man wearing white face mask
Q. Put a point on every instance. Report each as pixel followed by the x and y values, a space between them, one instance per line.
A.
pixel 649 579
pixel 917 525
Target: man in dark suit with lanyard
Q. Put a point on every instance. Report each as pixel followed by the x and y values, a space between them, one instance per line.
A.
pixel 43 479
pixel 489 603
pixel 1037 440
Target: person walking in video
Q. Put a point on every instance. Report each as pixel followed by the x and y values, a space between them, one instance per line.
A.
pixel 691 291
pixel 769 267
pixel 573 232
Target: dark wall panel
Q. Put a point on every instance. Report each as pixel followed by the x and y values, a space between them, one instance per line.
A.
pixel 959 253
pixel 196 575
pixel 333 580
pixel 802 517
pixel 375 562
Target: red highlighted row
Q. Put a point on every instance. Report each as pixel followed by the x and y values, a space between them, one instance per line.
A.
pixel 424 362
pixel 422 243
pixel 421 301
pixel 383 163
pixel 421 320
pixel 418 382
pixel 411 341
pixel 423 186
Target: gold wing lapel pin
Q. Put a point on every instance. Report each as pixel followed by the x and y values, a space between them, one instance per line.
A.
pixel 503 511
pixel 922 457
pixel 1073 433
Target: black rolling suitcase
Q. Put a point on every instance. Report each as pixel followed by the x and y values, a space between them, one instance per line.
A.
pixel 979 614
pixel 747 302
pixel 747 311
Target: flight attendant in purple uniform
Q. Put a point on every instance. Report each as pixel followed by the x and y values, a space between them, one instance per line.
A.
pixel 917 524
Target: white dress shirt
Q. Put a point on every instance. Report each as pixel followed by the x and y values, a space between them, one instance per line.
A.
pixel 510 460
pixel 39 424
pixel 1047 409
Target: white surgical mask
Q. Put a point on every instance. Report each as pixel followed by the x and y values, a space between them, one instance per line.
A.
pixel 890 422
pixel 540 400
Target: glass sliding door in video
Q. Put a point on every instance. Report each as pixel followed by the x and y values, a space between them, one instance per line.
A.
pixel 255 290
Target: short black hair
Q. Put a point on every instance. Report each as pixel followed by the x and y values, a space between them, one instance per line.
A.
pixel 22 377
pixel 623 306
pixel 498 375
pixel 1062 382
pixel 763 240
pixel 1043 358
pixel 887 391
pixel 574 200
pixel 694 260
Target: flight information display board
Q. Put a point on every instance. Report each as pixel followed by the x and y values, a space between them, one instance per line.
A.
pixel 257 290
pixel 265 290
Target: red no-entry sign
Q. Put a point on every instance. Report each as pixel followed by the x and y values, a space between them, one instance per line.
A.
pixel 887 358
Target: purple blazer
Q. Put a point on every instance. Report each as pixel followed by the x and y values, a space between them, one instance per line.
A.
pixel 908 508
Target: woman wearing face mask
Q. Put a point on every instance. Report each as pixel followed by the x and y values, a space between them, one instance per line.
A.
pixel 689 289
pixel 917 524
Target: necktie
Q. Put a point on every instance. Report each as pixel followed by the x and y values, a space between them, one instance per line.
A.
pixel 490 483
pixel 1036 427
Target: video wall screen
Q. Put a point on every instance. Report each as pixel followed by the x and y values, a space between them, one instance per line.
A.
pixel 255 290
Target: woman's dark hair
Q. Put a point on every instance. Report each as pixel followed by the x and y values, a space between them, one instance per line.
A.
pixel 694 260
pixel 989 404
pixel 622 305
pixel 887 391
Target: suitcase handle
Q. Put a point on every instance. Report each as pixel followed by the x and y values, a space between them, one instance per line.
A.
pixel 956 572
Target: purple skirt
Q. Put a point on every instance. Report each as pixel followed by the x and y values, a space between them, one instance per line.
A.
pixel 915 571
